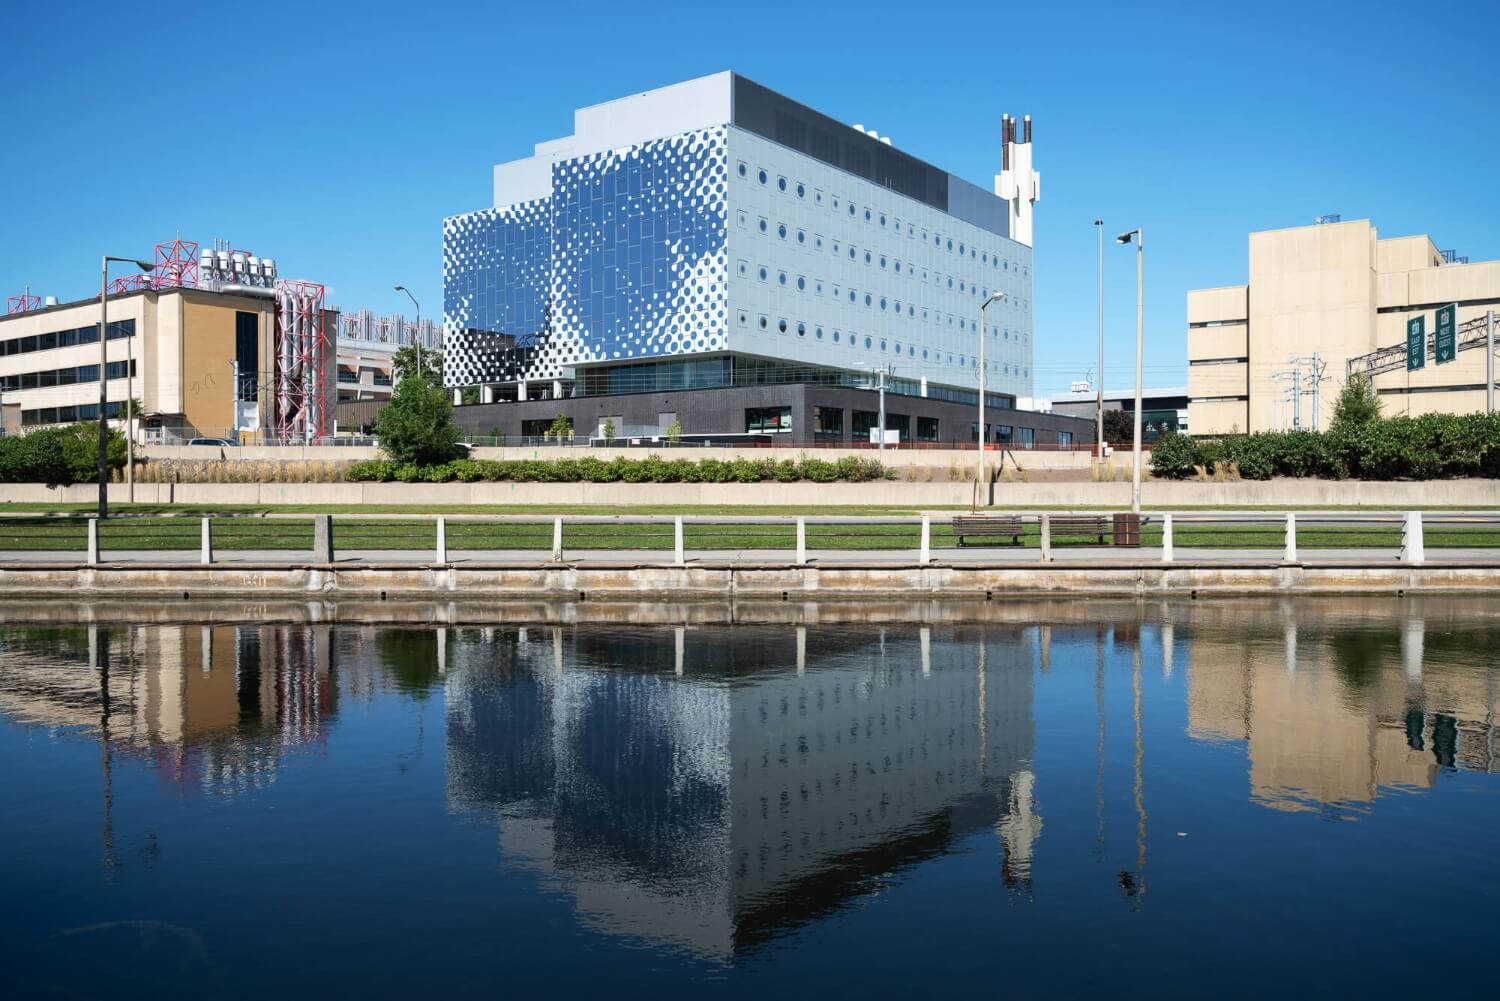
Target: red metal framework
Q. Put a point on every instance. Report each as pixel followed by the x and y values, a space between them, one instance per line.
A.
pixel 176 264
pixel 23 303
pixel 301 354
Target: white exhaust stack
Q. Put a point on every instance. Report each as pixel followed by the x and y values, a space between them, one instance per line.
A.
pixel 1017 182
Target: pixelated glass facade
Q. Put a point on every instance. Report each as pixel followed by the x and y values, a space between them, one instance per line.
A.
pixel 625 260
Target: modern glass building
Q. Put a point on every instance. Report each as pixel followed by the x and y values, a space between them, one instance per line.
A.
pixel 717 234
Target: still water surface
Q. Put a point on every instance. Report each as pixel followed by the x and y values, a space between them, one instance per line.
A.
pixel 1186 800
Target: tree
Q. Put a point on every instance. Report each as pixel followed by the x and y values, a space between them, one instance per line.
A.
pixel 561 427
pixel 417 425
pixel 469 395
pixel 674 432
pixel 608 430
pixel 80 445
pixel 1358 403
pixel 1119 427
pixel 404 363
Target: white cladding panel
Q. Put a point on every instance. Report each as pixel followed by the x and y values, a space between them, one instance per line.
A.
pixel 916 298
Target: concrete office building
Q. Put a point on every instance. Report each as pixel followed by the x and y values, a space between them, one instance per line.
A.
pixel 1322 300
pixel 1163 407
pixel 694 246
pixel 173 350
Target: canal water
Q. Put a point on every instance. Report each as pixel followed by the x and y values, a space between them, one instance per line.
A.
pixel 1167 799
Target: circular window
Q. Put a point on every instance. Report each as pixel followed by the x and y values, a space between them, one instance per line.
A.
pixel 950 244
pixel 763 323
pixel 818 333
pixel 950 281
pixel 762 274
pixel 960 248
pixel 801 330
pixel 924 354
pixel 867 257
pixel 851 253
pixel 898 267
pixel 882 260
pixel 937 241
pixel 762 176
pixel 835 337
pixel 762 225
pixel 801 236
pixel 851 295
pixel 960 286
pixel 882 302
pixel 882 218
pixel 984 258
pixel 801 191
pixel 851 208
pixel 868 343
pixel 781 326
pixel 882 344
pixel 781 277
pixel 781 183
pixel 868 298
pixel 867 215
pixel 818 197
pixel 781 230
pixel 743 170
pixel 911 349
pixel 912 311
pixel 801 284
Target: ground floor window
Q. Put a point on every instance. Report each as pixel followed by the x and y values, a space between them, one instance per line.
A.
pixel 768 419
pixel 1065 438
pixel 927 429
pixel 828 420
pixel 864 422
pixel 535 429
pixel 1005 434
pixel 900 423
pixel 1027 437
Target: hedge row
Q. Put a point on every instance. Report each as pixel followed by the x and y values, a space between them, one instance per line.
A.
pixel 1430 447
pixel 58 456
pixel 653 469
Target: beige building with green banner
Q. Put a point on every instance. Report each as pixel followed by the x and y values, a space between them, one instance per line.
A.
pixel 1327 300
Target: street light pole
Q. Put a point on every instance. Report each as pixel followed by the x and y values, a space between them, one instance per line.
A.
pixel 418 339
pixel 1099 387
pixel 104 376
pixel 983 486
pixel 1140 251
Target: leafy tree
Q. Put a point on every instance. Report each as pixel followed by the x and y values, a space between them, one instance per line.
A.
pixel 1357 404
pixel 674 432
pixel 80 447
pixel 469 395
pixel 608 430
pixel 561 426
pixel 417 425
pixel 1119 427
pixel 404 364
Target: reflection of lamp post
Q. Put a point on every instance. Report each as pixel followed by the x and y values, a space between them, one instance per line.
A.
pixel 1140 251
pixel 418 339
pixel 983 490
pixel 104 382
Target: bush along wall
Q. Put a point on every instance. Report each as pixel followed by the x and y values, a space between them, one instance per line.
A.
pixel 1429 447
pixel 652 469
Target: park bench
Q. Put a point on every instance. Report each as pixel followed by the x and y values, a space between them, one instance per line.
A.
pixel 1098 525
pixel 988 526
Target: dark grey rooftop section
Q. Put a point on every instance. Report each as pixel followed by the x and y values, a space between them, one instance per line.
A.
pixel 776 117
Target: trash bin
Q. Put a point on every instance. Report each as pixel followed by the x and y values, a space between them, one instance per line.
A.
pixel 1127 529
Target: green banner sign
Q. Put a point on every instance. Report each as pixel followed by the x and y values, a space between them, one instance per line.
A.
pixel 1446 348
pixel 1416 343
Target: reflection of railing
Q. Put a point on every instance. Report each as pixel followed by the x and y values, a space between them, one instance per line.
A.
pixel 1241 538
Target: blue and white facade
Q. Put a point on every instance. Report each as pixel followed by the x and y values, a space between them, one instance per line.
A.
pixel 690 235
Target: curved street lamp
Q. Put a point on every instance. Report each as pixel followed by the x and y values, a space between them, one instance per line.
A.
pixel 104 381
pixel 984 487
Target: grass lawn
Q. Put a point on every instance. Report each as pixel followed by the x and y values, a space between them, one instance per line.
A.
pixel 143 532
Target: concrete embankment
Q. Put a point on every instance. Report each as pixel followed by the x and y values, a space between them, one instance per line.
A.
pixel 1282 494
pixel 773 581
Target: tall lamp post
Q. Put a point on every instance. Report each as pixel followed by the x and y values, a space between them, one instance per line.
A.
pixel 983 486
pixel 104 376
pixel 1099 387
pixel 1140 252
pixel 418 339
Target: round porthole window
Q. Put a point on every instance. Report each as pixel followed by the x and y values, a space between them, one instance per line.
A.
pixel 762 176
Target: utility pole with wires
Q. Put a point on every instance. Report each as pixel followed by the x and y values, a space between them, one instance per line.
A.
pixel 1311 386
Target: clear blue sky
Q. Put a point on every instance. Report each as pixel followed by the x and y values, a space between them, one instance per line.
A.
pixel 335 136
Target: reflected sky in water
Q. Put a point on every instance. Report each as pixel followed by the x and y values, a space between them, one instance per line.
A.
pixel 1227 798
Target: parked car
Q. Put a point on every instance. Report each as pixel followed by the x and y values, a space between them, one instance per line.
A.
pixel 216 442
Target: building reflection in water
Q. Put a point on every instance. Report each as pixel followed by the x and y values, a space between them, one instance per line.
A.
pixel 1332 717
pixel 735 784
pixel 210 708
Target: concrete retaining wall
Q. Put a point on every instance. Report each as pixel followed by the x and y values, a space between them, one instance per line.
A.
pixel 760 581
pixel 1285 494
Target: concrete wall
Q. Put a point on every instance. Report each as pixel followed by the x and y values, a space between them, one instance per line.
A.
pixel 1289 494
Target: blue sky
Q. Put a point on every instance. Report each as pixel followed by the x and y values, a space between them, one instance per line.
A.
pixel 335 136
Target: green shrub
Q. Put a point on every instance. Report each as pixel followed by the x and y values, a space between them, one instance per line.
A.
pixel 748 470
pixel 1174 456
pixel 715 471
pixel 371 471
pixel 786 471
pixel 441 473
pixel 819 471
pixel 409 472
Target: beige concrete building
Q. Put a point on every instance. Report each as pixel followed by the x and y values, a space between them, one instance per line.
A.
pixel 1274 353
pixel 174 350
